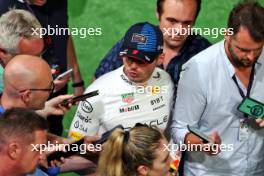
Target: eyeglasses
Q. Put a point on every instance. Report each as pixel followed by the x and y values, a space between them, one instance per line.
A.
pixel 50 90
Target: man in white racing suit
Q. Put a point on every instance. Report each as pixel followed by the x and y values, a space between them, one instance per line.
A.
pixel 137 92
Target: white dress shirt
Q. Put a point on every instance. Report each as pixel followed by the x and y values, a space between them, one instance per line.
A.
pixel 207 98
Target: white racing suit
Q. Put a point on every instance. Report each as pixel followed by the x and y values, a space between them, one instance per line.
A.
pixel 121 101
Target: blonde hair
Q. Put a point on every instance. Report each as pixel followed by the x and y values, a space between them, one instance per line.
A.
pixel 125 151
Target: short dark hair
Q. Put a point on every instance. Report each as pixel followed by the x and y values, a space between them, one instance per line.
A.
pixel 250 15
pixel 20 123
pixel 161 2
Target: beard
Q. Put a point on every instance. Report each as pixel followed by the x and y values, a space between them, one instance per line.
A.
pixel 239 62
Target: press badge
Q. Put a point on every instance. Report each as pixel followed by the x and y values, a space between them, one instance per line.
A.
pixel 243 130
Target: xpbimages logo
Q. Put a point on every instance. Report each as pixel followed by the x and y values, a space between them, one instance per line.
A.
pixel 81 32
pixel 52 147
pixel 214 148
pixel 188 30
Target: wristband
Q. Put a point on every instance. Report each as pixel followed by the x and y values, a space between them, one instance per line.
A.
pixel 78 84
pixel 53 171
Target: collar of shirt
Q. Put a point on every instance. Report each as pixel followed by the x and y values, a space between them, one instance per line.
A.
pixel 260 61
pixel 227 62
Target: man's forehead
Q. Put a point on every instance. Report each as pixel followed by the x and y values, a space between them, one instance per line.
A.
pixel 244 40
pixel 183 9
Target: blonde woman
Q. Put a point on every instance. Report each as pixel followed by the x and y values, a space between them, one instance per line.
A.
pixel 140 151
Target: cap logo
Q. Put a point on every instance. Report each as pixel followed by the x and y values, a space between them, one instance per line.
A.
pixel 139 38
pixel 135 52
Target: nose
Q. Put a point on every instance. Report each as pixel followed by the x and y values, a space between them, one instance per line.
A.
pixel 177 27
pixel 133 65
pixel 251 55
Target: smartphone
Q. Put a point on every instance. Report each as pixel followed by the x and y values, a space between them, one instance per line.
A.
pixel 76 99
pixel 198 133
pixel 75 148
pixel 252 107
pixel 64 74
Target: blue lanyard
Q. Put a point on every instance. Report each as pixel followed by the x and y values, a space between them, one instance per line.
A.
pixel 251 79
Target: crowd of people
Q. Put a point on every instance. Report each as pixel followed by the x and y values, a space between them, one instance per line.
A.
pixel 154 87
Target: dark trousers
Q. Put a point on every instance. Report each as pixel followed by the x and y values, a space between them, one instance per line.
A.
pixel 181 166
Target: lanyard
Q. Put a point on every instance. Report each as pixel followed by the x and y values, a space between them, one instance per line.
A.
pixel 251 79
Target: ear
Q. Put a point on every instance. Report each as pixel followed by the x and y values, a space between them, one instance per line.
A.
pixel 157 15
pixel 122 58
pixel 161 59
pixel 227 35
pixel 14 150
pixel 25 96
pixel 142 170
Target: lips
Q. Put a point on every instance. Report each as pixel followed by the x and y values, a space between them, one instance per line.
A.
pixel 132 74
pixel 176 38
pixel 247 62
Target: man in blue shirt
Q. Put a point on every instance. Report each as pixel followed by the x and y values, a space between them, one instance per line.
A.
pixel 177 49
